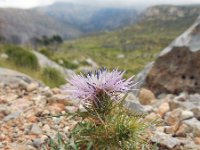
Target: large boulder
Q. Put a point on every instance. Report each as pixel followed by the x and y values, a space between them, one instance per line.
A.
pixel 14 78
pixel 177 67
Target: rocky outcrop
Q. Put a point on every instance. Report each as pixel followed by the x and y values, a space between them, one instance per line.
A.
pixel 16 79
pixel 189 38
pixel 46 62
pixel 177 67
pixel 170 12
pixel 176 71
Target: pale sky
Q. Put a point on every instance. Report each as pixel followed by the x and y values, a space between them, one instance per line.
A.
pixel 34 3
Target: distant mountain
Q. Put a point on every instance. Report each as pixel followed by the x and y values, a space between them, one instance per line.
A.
pixel 75 14
pixel 19 26
pixel 89 18
pixel 111 18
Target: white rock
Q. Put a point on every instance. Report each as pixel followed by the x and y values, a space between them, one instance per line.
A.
pixel 71 109
pixel 182 97
pixel 196 112
pixel 186 114
pixel 31 87
pixel 194 124
pixel 165 139
pixel 4 56
pixel 120 56
pixel 91 62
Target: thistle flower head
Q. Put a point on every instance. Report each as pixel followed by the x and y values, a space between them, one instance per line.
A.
pixel 89 87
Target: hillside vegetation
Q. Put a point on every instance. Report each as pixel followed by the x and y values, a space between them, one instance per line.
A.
pixel 23 60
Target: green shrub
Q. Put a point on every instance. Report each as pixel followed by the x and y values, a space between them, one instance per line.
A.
pixel 52 77
pixel 1 50
pixel 21 57
pixel 45 52
pixel 69 65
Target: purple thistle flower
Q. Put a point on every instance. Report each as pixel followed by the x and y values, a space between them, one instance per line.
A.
pixel 88 88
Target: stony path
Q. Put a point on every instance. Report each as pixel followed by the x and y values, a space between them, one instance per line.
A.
pixel 179 117
pixel 24 121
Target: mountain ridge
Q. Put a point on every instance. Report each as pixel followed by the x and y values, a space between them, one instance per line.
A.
pixel 19 25
pixel 90 18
